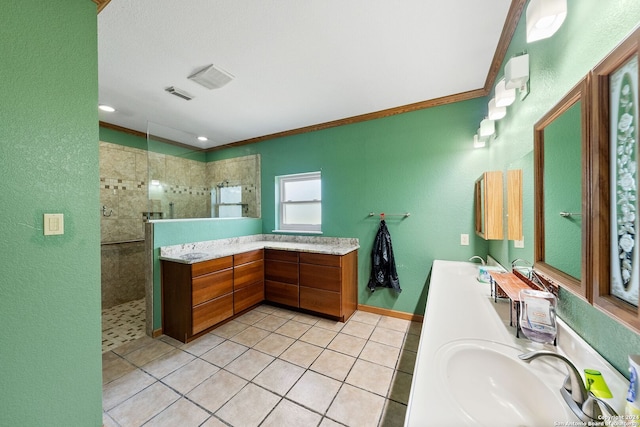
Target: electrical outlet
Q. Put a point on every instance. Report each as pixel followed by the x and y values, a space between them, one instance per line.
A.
pixel 464 240
pixel 519 244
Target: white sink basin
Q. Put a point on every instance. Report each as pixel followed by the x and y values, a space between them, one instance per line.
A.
pixel 492 387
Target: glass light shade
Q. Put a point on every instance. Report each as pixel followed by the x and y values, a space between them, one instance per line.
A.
pixel 495 112
pixel 544 18
pixel 487 128
pixel 516 72
pixel 478 143
pixel 504 97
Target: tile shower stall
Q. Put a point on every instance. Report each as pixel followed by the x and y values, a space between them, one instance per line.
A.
pixel 137 184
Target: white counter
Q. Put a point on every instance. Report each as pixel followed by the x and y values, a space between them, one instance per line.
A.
pixel 461 308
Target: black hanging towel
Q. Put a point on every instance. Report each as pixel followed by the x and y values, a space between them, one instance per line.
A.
pixel 383 264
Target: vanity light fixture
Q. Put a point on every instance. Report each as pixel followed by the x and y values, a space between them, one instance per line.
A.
pixel 516 72
pixel 504 97
pixel 106 108
pixel 203 138
pixel 495 112
pixel 478 142
pixel 487 128
pixel 544 18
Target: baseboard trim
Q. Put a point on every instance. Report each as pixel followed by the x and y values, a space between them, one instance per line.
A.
pixel 156 333
pixel 391 313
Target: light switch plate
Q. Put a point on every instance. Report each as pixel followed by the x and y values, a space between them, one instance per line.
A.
pixel 464 240
pixel 518 244
pixel 53 224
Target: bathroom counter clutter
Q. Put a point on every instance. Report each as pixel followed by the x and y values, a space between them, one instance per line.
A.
pixel 190 253
pixel 468 372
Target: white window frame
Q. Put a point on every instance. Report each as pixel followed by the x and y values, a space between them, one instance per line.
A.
pixel 280 183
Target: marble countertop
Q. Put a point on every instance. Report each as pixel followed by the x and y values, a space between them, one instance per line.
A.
pixel 190 253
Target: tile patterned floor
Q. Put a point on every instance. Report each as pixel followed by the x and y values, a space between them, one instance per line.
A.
pixel 268 367
pixel 122 324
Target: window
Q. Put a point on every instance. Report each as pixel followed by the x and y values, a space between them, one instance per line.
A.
pixel 300 202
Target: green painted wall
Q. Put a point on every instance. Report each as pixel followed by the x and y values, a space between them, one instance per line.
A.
pixel 50 339
pixel 592 29
pixel 167 233
pixel 421 162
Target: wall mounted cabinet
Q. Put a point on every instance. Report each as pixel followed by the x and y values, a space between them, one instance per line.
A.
pixel 488 206
pixel 514 204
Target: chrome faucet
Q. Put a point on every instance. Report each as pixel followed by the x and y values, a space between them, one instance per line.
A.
pixel 528 265
pixel 584 404
pixel 478 257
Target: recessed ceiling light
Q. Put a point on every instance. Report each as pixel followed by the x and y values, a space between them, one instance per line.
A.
pixel 107 108
pixel 203 138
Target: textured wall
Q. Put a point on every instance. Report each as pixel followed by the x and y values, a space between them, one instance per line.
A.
pixel 421 162
pixel 50 363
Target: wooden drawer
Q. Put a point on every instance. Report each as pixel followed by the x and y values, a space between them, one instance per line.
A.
pixel 289 256
pixel 320 259
pixel 248 296
pixel 211 286
pixel 212 265
pixel 211 312
pixel 246 257
pixel 320 277
pixel 282 293
pixel 279 271
pixel 320 301
pixel 246 274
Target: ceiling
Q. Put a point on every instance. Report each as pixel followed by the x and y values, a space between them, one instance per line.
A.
pixel 296 64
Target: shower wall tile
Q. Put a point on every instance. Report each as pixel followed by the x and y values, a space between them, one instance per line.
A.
pixel 142 167
pixel 243 171
pixel 156 166
pixel 122 273
pixel 177 171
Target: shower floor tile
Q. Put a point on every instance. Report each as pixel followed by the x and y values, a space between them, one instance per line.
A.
pixel 122 323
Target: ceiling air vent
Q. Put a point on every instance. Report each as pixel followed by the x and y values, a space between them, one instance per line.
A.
pixel 179 93
pixel 211 77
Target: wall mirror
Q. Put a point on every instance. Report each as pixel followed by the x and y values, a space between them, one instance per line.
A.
pixel 615 183
pixel 184 184
pixel 561 175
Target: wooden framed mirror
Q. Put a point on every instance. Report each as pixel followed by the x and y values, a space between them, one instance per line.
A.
pixel 562 196
pixel 616 253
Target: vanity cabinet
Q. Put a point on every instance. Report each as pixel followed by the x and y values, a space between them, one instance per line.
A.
pixel 281 277
pixel 329 284
pixel 196 296
pixel 248 280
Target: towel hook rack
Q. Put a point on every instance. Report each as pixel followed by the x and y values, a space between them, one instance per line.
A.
pixel 383 215
pixel 570 214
